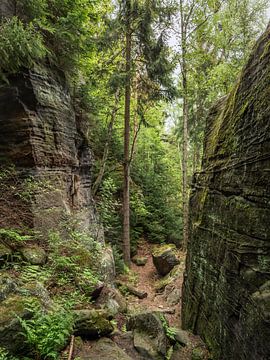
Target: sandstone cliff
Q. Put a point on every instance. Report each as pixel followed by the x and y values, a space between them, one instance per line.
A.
pixel 41 136
pixel 227 286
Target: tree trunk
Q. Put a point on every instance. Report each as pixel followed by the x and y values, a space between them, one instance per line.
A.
pixel 126 207
pixel 185 189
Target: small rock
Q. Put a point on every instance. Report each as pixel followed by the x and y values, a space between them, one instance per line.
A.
pixel 7 286
pixel 182 337
pixel 198 354
pixel 35 255
pixel 139 260
pixel 174 297
pixel 164 258
pixel 5 253
pixel 105 349
pixel 92 323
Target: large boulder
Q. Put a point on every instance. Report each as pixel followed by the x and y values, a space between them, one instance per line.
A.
pixel 225 296
pixel 164 258
pixel 149 335
pixel 92 323
pixel 105 349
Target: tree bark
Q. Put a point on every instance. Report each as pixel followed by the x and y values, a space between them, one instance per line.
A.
pixel 126 205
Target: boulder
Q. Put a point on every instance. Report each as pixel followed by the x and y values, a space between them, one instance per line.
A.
pixel 105 349
pixel 149 335
pixel 140 260
pixel 111 299
pixel 164 258
pixel 34 255
pixel 92 323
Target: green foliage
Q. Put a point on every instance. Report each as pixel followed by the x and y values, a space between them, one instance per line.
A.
pixel 169 331
pixel 21 45
pixel 47 334
pixel 13 237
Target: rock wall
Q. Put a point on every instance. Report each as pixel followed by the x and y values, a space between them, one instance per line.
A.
pixel 41 135
pixel 226 295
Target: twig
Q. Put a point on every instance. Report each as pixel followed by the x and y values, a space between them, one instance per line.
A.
pixel 71 348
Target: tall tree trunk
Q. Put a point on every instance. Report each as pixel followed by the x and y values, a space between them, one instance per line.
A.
pixel 107 144
pixel 185 196
pixel 126 206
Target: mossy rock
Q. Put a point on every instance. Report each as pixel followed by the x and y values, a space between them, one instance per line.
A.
pixel 7 286
pixel 34 255
pixel 164 258
pixel 105 349
pixel 5 253
pixel 140 260
pixel 92 323
pixel 149 336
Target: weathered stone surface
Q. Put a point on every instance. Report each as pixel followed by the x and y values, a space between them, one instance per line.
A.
pixel 164 258
pixel 105 349
pixel 35 255
pixel 43 137
pixel 92 324
pixel 226 297
pixel 107 265
pixel 149 335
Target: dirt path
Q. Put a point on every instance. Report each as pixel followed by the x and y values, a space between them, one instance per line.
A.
pixel 147 276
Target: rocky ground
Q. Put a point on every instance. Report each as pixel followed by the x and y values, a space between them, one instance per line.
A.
pixel 147 313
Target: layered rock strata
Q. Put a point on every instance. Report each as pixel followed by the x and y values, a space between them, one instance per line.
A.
pixel 41 136
pixel 226 297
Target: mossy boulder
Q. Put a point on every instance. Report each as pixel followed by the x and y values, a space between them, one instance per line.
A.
pixel 149 336
pixel 140 260
pixel 105 349
pixel 34 255
pixel 92 323
pixel 164 258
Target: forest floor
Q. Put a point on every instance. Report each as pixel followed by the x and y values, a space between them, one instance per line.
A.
pixel 145 278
